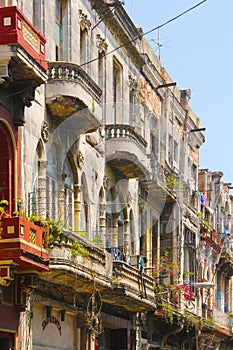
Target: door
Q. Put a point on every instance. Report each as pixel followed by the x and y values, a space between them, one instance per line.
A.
pixel 7 166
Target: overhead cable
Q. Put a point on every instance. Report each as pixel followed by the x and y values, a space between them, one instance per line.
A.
pixel 139 36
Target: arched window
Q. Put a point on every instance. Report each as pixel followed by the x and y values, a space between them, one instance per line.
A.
pixel 7 187
pixel 33 195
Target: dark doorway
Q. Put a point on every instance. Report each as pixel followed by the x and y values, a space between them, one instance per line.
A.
pixel 6 341
pixel 116 339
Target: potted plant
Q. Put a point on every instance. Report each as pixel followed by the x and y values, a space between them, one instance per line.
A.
pixel 3 208
pixel 36 219
pixel 4 203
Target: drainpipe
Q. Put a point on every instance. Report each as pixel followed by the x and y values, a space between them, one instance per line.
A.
pixel 173 332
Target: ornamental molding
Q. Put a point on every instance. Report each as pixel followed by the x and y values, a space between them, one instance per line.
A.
pixel 85 23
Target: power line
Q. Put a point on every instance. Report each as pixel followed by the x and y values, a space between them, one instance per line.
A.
pixel 139 36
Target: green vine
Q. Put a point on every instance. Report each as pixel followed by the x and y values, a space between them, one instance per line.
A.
pixel 204 222
pixel 78 249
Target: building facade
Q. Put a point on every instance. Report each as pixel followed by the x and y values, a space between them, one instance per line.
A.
pixel 111 236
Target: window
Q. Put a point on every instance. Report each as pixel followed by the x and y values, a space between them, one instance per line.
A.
pixel 68 207
pixel 142 120
pixel 101 70
pixel 58 27
pixel 132 234
pixel 194 175
pixel 170 149
pixel 189 256
pixel 33 196
pixel 52 198
pixel 176 154
pixel 117 91
pixel 6 2
pixel 133 98
pixel 37 15
pixel 83 46
pixel 85 25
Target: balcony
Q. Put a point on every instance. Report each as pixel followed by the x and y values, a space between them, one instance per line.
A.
pixel 162 184
pixel 24 244
pixel 226 258
pixel 22 62
pixel 69 90
pixel 82 263
pixel 222 319
pixel 22 46
pixel 126 150
pixel 208 235
pixel 131 290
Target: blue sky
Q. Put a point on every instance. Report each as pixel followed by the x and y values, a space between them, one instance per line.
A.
pixel 197 52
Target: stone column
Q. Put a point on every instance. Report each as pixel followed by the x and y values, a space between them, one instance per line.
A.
pixel 102 223
pixel 126 235
pixel 61 197
pixel 115 217
pixel 77 206
pixel 138 331
pixel 42 188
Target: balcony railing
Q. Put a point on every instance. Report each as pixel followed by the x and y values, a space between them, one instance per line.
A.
pixel 24 243
pixel 71 252
pixel 16 29
pixel 70 72
pixel 137 286
pixel 126 132
pixel 221 319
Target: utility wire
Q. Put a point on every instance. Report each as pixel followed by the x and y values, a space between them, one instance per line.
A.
pixel 146 33
pixel 126 43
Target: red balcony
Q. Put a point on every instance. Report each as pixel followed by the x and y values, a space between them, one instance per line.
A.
pixel 23 243
pixel 16 29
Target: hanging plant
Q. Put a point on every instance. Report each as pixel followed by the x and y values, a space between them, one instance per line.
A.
pixel 93 314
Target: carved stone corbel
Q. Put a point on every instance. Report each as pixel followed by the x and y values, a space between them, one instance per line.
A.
pixel 80 159
pixel 133 84
pixel 45 131
pixel 101 44
pixel 85 23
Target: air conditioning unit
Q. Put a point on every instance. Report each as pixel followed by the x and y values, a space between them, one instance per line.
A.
pixel 4 73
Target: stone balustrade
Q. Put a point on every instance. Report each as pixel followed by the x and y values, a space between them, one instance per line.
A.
pixel 70 72
pixel 122 131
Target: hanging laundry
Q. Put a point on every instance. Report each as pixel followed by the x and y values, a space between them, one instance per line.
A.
pixel 202 198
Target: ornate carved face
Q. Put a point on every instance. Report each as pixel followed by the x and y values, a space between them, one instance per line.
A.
pixel 106 181
pixel 44 131
pixel 80 159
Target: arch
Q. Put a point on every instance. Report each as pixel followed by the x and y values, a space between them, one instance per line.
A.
pixel 8 164
pixel 101 195
pixel 40 150
pixel 117 216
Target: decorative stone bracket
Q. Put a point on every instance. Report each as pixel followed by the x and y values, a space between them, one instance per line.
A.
pixel 85 23
pixel 101 44
pixel 19 100
pixel 6 272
